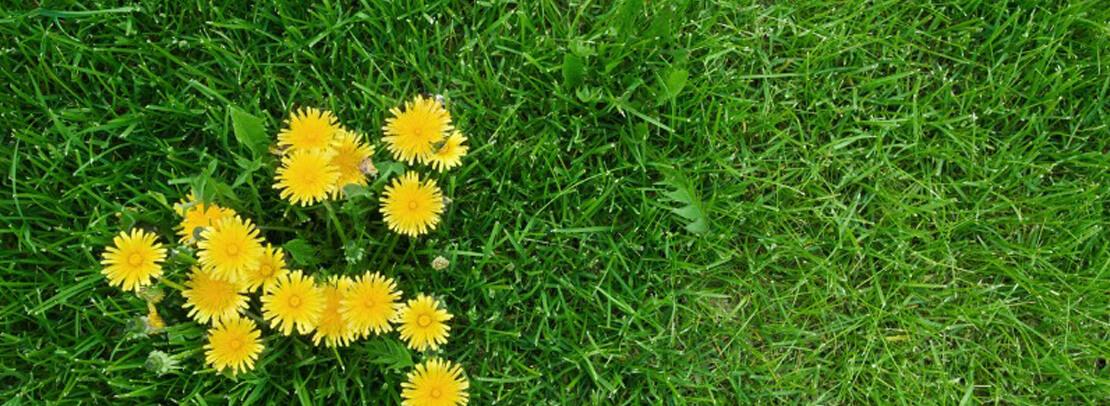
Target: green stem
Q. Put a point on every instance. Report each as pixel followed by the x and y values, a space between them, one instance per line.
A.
pixel 339 359
pixel 335 222
pixel 173 284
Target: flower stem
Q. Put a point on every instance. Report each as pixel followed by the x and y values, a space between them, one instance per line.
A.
pixel 339 359
pixel 173 284
pixel 335 222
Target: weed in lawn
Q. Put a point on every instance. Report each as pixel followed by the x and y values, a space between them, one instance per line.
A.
pixel 903 201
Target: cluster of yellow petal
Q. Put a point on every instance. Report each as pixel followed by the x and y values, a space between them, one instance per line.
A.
pixel 233 344
pixel 308 129
pixel 320 157
pixel 197 216
pixel 412 133
pixel 410 206
pixel 370 304
pixel 435 382
pixel 339 309
pixel 423 323
pixel 422 132
pixel 231 248
pixel 233 262
pixel 450 154
pixel 350 157
pixel 270 269
pixel 210 297
pixel 319 160
pixel 134 260
pixel 294 301
pixel 306 177
pixel 333 329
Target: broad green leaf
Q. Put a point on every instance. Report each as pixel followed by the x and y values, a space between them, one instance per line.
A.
pixel 625 19
pixel 247 167
pixel 679 195
pixel 692 209
pixel 662 25
pixel 302 251
pixel 389 352
pixel 202 184
pixel 582 48
pixel 689 212
pixel 250 131
pixel 354 189
pixel 223 190
pixel 673 82
pixel 160 198
pixel 588 94
pixel 248 164
pixel 574 69
pixel 698 226
pixel 386 170
pixel 390 168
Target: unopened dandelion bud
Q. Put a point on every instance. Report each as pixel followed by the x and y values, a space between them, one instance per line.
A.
pixel 160 363
pixel 440 263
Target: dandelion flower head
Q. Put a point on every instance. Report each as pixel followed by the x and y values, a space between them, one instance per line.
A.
pixel 134 259
pixel 423 323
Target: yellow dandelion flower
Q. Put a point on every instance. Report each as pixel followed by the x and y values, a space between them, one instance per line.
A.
pixel 271 267
pixel 371 303
pixel 153 321
pixel 333 329
pixel 411 207
pixel 450 154
pixel 308 129
pixel 436 382
pixel 411 134
pixel 199 216
pixel 231 248
pixel 233 344
pixel 210 298
pixel 306 177
pixel 294 301
pixel 423 323
pixel 133 260
pixel 349 154
pixel 184 204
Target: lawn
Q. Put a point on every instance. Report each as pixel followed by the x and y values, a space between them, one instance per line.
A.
pixel 665 202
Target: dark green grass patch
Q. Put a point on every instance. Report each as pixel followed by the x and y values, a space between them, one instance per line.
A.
pixel 686 202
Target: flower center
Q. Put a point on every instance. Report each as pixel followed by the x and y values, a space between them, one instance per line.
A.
pixel 418 131
pixel 266 271
pixel 294 301
pixel 235 344
pixel 436 393
pixel 135 259
pixel 424 320
pixel 412 205
pixel 232 250
pixel 369 303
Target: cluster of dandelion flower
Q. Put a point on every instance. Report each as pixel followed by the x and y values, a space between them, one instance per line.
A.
pixel 319 158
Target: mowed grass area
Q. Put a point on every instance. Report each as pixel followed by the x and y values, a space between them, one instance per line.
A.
pixel 887 201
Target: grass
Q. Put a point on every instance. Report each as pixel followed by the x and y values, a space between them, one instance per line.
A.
pixel 687 202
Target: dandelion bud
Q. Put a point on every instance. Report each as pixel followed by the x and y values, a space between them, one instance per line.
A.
pixel 152 294
pixel 160 363
pixel 440 263
pixel 152 322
